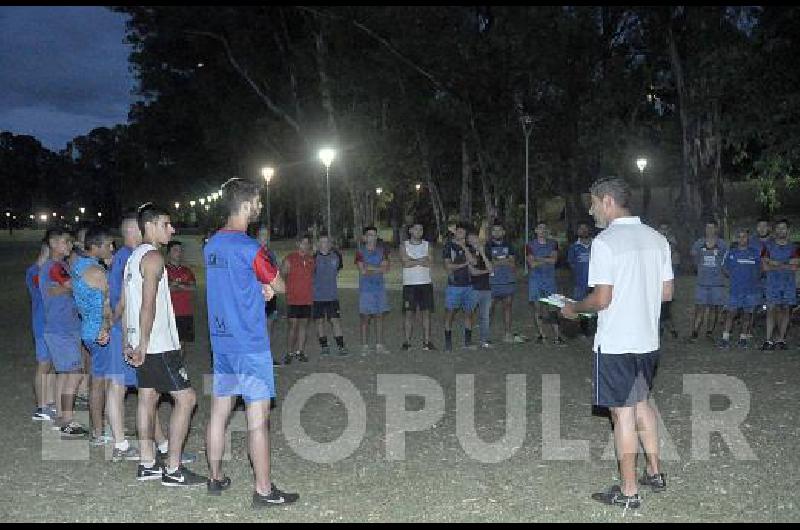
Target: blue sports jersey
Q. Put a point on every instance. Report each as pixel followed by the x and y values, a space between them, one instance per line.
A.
pixel 503 274
pixel 60 313
pixel 542 250
pixel 783 254
pixel 757 243
pixel 88 300
pixel 709 262
pixel 326 270
pixel 578 258
pixel 372 283
pixel 744 267
pixel 457 256
pixel 236 268
pixel 37 308
pixel 116 275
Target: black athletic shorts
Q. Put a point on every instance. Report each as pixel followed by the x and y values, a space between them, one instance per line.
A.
pixel 327 310
pixel 164 372
pixel 185 324
pixel 299 311
pixel 418 297
pixel 623 380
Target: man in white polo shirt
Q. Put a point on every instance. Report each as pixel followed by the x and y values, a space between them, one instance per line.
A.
pixel 631 271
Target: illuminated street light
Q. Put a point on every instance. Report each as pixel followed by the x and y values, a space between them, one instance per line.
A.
pixel 177 206
pixel 99 214
pixel 77 219
pixel 208 206
pixel 55 214
pixel 378 190
pixel 82 210
pixel 43 218
pixel 327 155
pixel 202 201
pixel 418 186
pixel 192 203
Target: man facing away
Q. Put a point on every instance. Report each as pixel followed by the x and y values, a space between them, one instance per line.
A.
pixel 631 272
pixel 240 277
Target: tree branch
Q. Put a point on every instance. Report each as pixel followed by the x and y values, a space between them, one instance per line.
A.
pixel 238 67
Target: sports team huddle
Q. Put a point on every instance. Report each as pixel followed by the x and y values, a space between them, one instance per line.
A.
pixel 131 311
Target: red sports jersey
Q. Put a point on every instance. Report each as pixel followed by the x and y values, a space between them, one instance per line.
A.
pixel 182 300
pixel 300 281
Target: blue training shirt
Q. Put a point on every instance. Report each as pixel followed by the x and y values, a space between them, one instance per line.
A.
pixel 372 283
pixel 783 254
pixel 88 300
pixel 237 267
pixel 326 271
pixel 542 250
pixel 503 274
pixel 709 262
pixel 117 274
pixel 578 258
pixel 37 308
pixel 60 313
pixel 744 267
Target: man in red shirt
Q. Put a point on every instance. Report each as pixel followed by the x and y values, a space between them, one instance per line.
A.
pixel 297 270
pixel 182 285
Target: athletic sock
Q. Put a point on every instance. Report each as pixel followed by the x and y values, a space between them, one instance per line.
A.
pixel 340 341
pixel 150 464
pixel 171 470
pixel 467 337
pixel 726 335
pixel 122 446
pixel 323 342
pixel 163 447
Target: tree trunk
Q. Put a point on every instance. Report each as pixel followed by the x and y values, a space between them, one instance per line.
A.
pixel 465 211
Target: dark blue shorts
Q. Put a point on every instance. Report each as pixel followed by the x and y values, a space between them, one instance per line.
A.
pixel 623 380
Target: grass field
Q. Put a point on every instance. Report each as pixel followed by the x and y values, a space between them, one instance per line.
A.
pixel 437 480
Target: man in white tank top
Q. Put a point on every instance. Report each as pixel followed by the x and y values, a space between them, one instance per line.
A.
pixel 152 345
pixel 415 255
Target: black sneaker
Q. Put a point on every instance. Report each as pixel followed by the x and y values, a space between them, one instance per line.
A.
pixel 614 497
pixel 287 359
pixel 74 430
pixel 325 351
pixel 276 363
pixel 558 341
pixel 767 346
pixel 781 345
pixel 342 351
pixel 149 473
pixel 657 482
pixel 724 344
pixel 428 346
pixel 540 339
pixel 300 356
pixel 743 344
pixel 182 477
pixel 405 347
pixel 276 497
pixel 216 487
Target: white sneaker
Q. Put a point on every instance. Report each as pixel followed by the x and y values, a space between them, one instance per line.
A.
pixel 365 350
pixel 486 346
pixel 380 348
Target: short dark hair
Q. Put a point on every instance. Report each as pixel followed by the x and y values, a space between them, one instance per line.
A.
pixel 711 222
pixel 323 234
pixel 764 219
pixel 584 223
pixel 173 243
pixel 498 222
pixel 368 228
pixel 95 236
pixel 53 233
pixel 149 212
pixel 783 221
pixel 617 188
pixel 237 191
pixel 464 225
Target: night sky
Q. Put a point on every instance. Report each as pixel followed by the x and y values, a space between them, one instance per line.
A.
pixel 63 71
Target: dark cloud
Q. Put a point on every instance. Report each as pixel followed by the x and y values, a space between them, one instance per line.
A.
pixel 64 71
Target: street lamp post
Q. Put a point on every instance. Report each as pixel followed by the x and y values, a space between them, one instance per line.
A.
pixel 527 129
pixel 641 163
pixel 268 172
pixel 326 156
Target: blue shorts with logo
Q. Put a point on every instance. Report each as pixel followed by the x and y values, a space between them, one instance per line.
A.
pixel 119 371
pixel 746 301
pixel 248 375
pixel 372 303
pixel 42 353
pixel 781 293
pixel 101 358
pixel 65 350
pixel 458 297
pixel 540 287
pixel 580 292
pixel 710 295
pixel 503 290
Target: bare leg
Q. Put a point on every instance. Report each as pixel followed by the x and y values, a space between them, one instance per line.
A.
pixel 626 441
pixel 221 408
pixel 364 329
pixel 407 325
pixel 97 398
pixel 771 319
pixel 145 419
pixel 40 383
pixel 785 317
pixel 258 442
pixel 647 426
pixel 379 329
pixel 507 306
pixel 302 333
pixel 426 325
pixel 336 324
pixel 70 384
pixel 185 401
pixel 115 410
pixel 537 315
